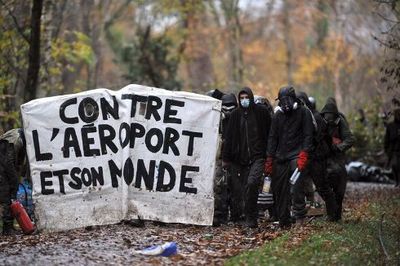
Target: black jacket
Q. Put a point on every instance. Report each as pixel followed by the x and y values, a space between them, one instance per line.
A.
pixel 322 140
pixel 290 133
pixel 247 133
pixel 392 138
pixel 340 131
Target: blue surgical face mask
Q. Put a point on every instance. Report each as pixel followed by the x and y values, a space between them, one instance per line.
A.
pixel 245 103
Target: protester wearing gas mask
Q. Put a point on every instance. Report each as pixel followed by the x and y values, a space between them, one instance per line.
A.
pixel 289 144
pixel 341 140
pixel 244 154
pixel 318 159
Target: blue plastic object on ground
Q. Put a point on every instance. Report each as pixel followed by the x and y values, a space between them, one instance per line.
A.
pixel 24 196
pixel 165 250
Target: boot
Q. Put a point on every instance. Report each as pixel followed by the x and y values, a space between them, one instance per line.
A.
pixel 8 229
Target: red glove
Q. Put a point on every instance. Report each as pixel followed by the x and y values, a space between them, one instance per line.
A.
pixel 336 141
pixel 268 165
pixel 302 160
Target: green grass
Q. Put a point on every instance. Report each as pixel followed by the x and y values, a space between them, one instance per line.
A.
pixel 354 242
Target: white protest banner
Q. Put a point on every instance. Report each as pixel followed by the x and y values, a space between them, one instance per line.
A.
pixel 102 156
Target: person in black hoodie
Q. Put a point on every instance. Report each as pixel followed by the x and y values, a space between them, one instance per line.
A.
pixel 318 159
pixel 392 145
pixel 341 139
pixel 244 154
pixel 289 144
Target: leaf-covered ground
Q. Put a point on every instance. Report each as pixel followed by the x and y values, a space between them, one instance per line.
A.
pixel 197 245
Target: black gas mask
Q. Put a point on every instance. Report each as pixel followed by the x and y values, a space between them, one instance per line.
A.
pixel 331 119
pixel 286 103
pixel 287 99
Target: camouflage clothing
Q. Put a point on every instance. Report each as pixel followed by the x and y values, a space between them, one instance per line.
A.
pixel 8 184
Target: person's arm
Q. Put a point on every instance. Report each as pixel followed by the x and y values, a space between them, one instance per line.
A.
pixel 347 138
pixel 387 142
pixel 268 120
pixel 308 131
pixel 273 137
pixel 11 173
pixel 227 146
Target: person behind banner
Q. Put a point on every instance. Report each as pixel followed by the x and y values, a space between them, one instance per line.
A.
pixel 8 186
pixel 341 140
pixel 289 144
pixel 221 201
pixel 16 138
pixel 244 155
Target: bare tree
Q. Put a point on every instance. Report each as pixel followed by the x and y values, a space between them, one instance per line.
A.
pixel 34 52
pixel 234 29
pixel 288 40
pixel 196 47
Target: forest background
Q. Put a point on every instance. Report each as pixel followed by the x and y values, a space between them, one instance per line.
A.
pixel 347 49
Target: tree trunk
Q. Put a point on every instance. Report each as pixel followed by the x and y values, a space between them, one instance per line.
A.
pixel 34 52
pixel 46 81
pixel 198 62
pixel 288 40
pixel 236 69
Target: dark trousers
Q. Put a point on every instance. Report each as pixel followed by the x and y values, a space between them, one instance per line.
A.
pixel 6 216
pixel 220 194
pixel 298 191
pixel 244 184
pixel 319 175
pixel 281 190
pixel 337 177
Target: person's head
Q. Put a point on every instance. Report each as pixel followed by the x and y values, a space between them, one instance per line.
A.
pixel 217 94
pixel 246 98
pixel 260 100
pixel 303 97
pixel 331 118
pixel 229 103
pixel 397 115
pixel 287 99
pixel 330 112
pixel 313 103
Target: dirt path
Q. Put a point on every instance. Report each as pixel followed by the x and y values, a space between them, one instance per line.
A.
pixel 116 244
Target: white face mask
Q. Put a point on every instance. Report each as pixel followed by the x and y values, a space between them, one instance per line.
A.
pixel 245 103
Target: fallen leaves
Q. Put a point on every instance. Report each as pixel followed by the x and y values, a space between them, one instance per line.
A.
pixel 197 245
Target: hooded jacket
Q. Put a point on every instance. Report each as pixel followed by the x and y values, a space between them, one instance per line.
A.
pixel 341 131
pixel 290 134
pixel 247 132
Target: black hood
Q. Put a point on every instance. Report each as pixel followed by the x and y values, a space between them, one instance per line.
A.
pixel 304 98
pixel 251 96
pixel 229 99
pixel 330 107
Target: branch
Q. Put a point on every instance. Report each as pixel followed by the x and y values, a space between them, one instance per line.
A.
pixel 117 14
pixel 19 29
